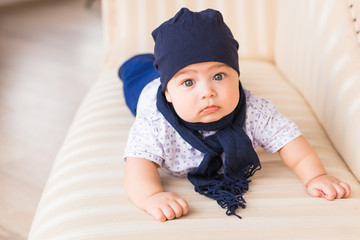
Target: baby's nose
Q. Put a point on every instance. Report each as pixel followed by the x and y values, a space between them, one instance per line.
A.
pixel 207 91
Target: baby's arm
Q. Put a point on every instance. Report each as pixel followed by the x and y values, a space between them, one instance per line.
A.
pixel 299 156
pixel 143 186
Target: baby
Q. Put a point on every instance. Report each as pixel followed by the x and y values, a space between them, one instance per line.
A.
pixel 194 119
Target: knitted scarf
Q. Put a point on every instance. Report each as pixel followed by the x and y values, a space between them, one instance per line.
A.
pixel 241 160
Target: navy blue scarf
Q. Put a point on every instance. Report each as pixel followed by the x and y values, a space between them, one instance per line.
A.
pixel 241 160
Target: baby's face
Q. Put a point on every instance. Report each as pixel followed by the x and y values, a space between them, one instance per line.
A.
pixel 204 92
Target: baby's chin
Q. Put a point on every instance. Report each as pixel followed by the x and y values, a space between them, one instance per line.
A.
pixel 208 118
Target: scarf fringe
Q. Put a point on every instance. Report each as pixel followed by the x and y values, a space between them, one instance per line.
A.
pixel 229 197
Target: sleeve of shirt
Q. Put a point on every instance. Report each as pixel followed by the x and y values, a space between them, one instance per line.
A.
pixel 271 130
pixel 142 142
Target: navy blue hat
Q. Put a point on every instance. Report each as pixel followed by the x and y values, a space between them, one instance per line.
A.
pixel 193 37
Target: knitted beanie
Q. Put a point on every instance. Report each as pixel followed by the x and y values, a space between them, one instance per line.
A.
pixel 193 37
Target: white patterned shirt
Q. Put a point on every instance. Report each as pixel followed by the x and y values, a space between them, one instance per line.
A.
pixel 152 137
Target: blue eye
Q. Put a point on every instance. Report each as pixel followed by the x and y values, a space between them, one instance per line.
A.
pixel 219 76
pixel 188 83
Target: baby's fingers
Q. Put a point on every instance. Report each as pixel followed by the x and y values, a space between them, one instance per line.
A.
pixel 166 206
pixel 321 190
pixel 168 212
pixel 184 206
pixel 158 214
pixel 333 191
pixel 328 187
pixel 314 192
pixel 179 207
pixel 339 190
pixel 177 210
pixel 346 188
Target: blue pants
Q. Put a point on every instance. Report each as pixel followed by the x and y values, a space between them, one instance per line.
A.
pixel 136 73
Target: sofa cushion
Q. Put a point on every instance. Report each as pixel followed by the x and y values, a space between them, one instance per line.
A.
pixel 85 197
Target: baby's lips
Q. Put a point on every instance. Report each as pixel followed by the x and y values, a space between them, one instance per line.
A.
pixel 210 109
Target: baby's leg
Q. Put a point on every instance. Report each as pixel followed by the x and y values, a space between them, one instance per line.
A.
pixel 136 73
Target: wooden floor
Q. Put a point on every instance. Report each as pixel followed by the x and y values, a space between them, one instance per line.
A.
pixel 50 53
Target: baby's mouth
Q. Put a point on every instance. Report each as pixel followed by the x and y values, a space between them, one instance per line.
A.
pixel 210 109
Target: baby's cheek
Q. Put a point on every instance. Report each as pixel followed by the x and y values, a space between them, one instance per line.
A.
pixel 186 113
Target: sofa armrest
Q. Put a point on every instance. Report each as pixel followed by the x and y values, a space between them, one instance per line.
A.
pixel 318 51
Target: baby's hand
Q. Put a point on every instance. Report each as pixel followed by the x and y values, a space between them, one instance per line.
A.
pixel 328 187
pixel 166 206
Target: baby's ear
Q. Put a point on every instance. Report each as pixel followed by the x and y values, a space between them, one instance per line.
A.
pixel 167 95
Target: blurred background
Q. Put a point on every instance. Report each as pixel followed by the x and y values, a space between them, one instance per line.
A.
pixel 50 52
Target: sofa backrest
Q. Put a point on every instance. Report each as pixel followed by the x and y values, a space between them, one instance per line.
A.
pixel 252 23
pixel 317 48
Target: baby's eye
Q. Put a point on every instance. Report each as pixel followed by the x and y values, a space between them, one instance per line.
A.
pixel 188 83
pixel 219 76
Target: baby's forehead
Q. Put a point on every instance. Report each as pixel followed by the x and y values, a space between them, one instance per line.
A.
pixel 202 66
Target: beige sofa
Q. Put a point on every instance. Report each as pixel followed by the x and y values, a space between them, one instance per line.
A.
pixel 304 55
